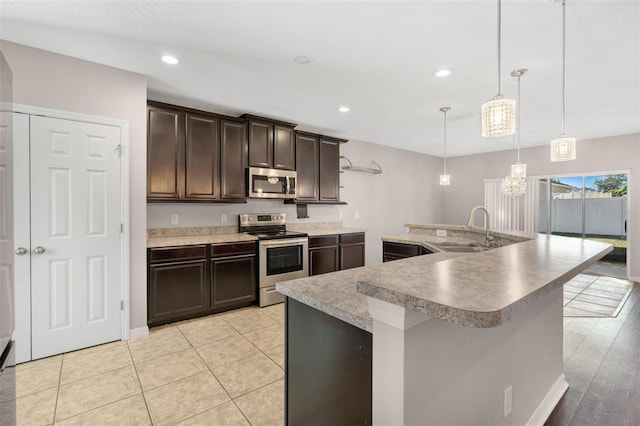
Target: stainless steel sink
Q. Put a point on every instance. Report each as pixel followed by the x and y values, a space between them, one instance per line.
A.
pixel 461 247
pixel 464 249
pixel 462 244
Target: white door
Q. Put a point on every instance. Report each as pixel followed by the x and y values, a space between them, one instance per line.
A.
pixel 76 270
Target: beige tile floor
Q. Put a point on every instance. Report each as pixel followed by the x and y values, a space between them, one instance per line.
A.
pixel 225 369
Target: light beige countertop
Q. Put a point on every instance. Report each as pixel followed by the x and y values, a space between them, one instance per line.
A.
pixel 323 228
pixel 473 289
pixel 198 239
pixel 174 237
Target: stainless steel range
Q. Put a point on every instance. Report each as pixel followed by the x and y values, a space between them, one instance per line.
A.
pixel 282 255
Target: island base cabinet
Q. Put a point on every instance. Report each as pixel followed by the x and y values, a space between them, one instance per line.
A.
pixel 177 291
pixel 328 369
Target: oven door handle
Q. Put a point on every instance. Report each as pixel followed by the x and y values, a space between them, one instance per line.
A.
pixel 284 242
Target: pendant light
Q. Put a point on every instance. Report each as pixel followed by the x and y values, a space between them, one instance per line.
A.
pixel 563 148
pixel 499 114
pixel 445 179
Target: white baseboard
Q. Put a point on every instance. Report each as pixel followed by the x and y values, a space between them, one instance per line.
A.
pixel 549 402
pixel 139 332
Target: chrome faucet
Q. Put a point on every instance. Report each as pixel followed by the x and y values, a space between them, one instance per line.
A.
pixel 489 240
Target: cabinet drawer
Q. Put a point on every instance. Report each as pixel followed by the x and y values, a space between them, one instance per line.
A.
pixel 352 238
pixel 323 241
pixel 231 249
pixel 177 253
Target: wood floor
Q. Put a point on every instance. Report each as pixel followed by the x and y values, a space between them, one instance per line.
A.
pixel 602 367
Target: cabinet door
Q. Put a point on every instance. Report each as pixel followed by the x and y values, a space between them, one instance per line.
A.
pixel 323 260
pixel 233 281
pixel 165 157
pixel 283 148
pixel 260 144
pixel 201 158
pixel 329 170
pixel 351 250
pixel 177 290
pixel 233 159
pixel 307 167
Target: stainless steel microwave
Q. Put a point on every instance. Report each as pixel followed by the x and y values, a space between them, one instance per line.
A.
pixel 271 183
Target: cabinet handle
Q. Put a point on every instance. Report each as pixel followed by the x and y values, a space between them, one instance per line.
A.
pixel 21 251
pixel 38 250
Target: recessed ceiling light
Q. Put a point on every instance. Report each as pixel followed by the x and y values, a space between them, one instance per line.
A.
pixel 344 109
pixel 442 73
pixel 168 59
pixel 303 60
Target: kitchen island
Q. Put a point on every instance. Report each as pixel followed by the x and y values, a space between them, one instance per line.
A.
pixel 444 338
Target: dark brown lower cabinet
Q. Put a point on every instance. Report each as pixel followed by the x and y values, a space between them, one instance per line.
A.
pixel 192 281
pixel 233 276
pixel 177 284
pixel 328 378
pixel 351 251
pixel 395 251
pixel 323 254
pixel 330 253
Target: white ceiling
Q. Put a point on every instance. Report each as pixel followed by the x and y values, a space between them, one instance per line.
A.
pixel 376 57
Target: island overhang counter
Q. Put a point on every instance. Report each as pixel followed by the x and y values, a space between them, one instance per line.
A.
pixel 451 338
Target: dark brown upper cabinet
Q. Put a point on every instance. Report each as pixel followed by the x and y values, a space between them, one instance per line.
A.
pixel 318 167
pixel 194 156
pixel 202 157
pixel 271 143
pixel 234 160
pixel 165 146
pixel 329 169
pixel 307 162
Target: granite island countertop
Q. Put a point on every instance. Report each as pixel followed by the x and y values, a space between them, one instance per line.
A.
pixel 472 289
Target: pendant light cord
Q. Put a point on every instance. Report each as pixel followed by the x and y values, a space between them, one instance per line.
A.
pixel 445 142
pixel 518 117
pixel 563 65
pixel 444 110
pixel 499 30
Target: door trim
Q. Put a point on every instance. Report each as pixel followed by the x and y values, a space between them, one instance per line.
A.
pixel 123 125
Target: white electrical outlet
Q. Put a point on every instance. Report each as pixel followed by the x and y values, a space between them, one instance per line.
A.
pixel 339 214
pixel 223 218
pixel 174 219
pixel 356 215
pixel 508 400
pixel 441 232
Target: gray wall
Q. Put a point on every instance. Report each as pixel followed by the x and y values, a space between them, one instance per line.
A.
pixel 593 156
pixel 49 80
pixel 406 192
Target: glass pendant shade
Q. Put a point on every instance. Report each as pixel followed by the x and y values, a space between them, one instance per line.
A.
pixel 563 148
pixel 445 180
pixel 498 117
pixel 518 170
pixel 513 187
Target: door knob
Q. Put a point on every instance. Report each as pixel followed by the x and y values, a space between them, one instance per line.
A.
pixel 21 251
pixel 38 250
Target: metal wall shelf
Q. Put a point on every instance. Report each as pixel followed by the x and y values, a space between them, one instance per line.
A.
pixel 373 168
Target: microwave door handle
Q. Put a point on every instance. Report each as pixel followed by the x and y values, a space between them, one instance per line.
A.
pixel 288 187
